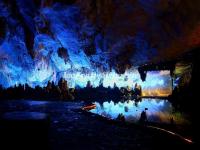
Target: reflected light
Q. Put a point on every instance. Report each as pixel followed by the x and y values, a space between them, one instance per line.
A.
pixel 158 110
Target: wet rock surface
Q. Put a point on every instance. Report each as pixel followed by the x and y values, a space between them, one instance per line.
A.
pixel 71 128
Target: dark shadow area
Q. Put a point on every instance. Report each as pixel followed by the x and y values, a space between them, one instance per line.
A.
pixel 24 130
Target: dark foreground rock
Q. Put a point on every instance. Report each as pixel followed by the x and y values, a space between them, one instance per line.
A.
pixel 71 128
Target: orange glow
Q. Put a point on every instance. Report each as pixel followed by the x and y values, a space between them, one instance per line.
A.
pixel 157 92
pixel 93 106
pixel 172 133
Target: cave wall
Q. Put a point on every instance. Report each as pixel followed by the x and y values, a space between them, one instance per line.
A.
pixel 41 39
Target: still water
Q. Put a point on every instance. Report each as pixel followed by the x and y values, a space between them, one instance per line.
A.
pixel 159 110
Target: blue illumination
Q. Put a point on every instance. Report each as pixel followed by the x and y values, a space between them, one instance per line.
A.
pixel 158 110
pixel 67 28
pixel 157 83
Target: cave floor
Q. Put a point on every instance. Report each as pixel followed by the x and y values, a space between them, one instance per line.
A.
pixel 71 128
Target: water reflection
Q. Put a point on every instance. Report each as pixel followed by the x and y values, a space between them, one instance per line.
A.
pixel 158 110
pixel 35 103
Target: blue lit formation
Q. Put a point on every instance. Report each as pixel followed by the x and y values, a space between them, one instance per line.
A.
pixel 70 30
pixel 157 83
pixel 16 64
